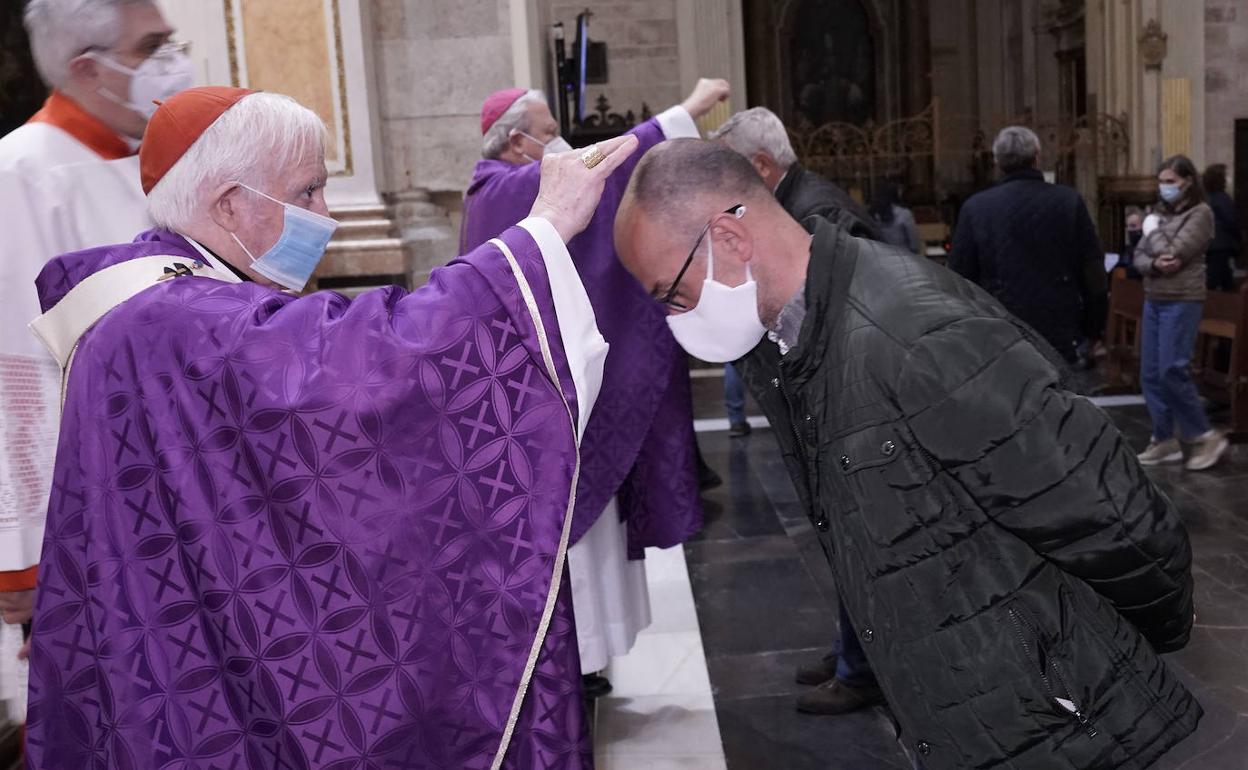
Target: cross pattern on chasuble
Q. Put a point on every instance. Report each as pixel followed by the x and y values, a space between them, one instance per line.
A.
pixel 253 590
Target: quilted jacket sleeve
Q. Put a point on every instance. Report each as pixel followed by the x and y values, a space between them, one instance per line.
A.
pixel 1050 467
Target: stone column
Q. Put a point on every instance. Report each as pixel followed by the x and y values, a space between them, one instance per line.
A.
pixel 1226 88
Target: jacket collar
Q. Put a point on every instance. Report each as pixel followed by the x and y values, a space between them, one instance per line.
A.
pixel 1030 174
pixel 1185 203
pixel 784 190
pixel 66 114
pixel 833 257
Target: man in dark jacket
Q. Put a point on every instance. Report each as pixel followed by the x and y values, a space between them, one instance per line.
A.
pixel 1010 568
pixel 760 136
pixel 842 678
pixel 1032 245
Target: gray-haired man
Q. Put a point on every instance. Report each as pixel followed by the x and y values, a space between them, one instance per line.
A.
pixel 1032 245
pixel 843 678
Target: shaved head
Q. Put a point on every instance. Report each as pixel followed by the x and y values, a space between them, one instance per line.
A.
pixel 684 180
pixel 685 186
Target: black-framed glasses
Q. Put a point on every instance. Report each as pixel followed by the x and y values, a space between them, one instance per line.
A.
pixel 737 210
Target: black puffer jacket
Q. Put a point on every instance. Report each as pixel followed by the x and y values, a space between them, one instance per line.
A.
pixel 805 194
pixel 1032 245
pixel 1009 567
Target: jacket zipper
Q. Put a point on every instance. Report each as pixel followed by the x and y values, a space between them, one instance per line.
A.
pixel 1067 704
pixel 797 438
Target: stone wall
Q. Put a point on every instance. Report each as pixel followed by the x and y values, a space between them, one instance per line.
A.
pixel 643 55
pixel 435 63
pixel 1226 88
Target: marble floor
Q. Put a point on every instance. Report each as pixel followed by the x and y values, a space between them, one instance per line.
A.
pixel 763 593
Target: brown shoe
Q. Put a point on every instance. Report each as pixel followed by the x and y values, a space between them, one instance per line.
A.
pixel 819 671
pixel 836 697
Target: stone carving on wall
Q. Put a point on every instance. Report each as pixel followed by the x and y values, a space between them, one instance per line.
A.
pixel 1153 45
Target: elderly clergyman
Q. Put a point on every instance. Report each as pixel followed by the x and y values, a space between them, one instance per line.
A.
pixel 1011 570
pixel 1033 246
pixel 639 484
pixel 301 531
pixel 68 180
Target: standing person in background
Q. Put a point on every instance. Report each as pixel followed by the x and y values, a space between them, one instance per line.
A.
pixel 1172 258
pixel 842 679
pixel 896 222
pixel 69 179
pixel 1032 245
pixel 760 136
pixel 1227 236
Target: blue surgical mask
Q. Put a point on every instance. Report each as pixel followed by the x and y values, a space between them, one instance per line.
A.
pixel 1169 192
pixel 291 261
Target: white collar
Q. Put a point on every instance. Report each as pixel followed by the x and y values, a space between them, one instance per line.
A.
pixel 211 260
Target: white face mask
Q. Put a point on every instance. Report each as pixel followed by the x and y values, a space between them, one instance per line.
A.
pixel 160 76
pixel 724 325
pixel 558 144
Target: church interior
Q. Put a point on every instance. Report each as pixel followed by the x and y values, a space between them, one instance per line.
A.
pixel 901 93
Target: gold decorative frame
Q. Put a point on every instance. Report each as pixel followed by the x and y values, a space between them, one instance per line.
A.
pixel 231 42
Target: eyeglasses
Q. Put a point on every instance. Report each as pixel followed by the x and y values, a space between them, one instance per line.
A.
pixel 736 210
pixel 164 49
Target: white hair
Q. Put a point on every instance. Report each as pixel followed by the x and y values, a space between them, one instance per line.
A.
pixel 756 130
pixel 261 135
pixel 62 30
pixel 1016 147
pixel 515 118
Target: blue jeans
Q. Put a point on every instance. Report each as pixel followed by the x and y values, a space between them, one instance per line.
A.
pixel 734 395
pixel 1168 341
pixel 852 667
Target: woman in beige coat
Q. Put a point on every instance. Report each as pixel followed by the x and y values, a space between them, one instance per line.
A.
pixel 1171 257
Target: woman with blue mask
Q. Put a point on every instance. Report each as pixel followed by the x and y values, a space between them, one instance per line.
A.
pixel 1171 257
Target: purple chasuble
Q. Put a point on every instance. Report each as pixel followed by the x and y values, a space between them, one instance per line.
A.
pixel 639 443
pixel 306 532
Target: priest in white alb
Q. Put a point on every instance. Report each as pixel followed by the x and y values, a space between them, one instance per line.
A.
pixel 69 179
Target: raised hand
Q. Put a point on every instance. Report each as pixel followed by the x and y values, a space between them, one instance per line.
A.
pixel 705 95
pixel 570 190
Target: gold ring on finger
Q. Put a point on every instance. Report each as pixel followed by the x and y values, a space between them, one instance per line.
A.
pixel 592 157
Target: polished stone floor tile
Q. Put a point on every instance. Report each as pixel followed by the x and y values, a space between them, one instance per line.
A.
pixel 767 733
pixel 757 606
pixel 761 673
pixel 657 726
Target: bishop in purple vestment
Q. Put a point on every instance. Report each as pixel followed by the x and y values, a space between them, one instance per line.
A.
pixel 639 443
pixel 300 531
pixel 639 453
